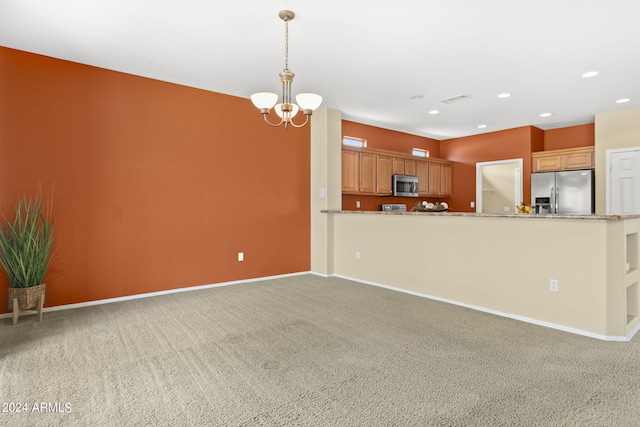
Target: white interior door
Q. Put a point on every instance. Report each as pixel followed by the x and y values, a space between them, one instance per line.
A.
pixel 623 183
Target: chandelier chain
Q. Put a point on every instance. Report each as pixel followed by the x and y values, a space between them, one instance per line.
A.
pixel 286 45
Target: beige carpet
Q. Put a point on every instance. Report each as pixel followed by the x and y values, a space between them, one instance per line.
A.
pixel 308 351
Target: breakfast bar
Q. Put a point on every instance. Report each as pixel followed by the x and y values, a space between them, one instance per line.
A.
pixel 577 273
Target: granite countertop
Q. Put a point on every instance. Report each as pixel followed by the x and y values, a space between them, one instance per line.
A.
pixel 490 215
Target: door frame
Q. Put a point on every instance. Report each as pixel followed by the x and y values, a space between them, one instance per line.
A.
pixel 607 185
pixel 518 179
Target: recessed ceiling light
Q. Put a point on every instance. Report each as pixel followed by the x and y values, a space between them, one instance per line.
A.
pixel 504 95
pixel 622 100
pixel 482 126
pixel 590 74
pixel 434 112
pixel 545 115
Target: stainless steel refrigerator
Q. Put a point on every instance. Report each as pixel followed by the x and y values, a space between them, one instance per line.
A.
pixel 567 192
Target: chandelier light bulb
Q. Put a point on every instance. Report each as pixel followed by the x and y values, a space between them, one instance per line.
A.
pixel 308 101
pixel 264 100
pixel 281 114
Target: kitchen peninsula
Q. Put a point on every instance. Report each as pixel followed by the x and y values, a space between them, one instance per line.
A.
pixel 502 263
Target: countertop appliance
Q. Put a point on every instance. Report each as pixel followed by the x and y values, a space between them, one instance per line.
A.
pixel 394 207
pixel 404 185
pixel 566 192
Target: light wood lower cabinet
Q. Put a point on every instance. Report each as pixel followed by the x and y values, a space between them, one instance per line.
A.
pixel 559 160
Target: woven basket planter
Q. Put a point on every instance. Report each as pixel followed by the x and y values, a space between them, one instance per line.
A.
pixel 28 299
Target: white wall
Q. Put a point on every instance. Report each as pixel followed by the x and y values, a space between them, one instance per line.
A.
pixel 616 129
pixel 326 159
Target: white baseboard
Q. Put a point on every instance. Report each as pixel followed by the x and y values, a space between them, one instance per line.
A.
pixel 499 313
pixel 169 291
pixel 320 274
pixel 633 332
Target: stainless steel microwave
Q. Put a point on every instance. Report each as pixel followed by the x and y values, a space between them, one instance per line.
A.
pixel 404 185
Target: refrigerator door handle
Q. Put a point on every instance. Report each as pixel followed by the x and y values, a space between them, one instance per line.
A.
pixel 552 200
pixel 557 200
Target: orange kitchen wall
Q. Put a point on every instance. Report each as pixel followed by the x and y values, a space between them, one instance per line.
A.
pixel 569 137
pixel 385 139
pixel 156 186
pixel 466 152
pixel 502 145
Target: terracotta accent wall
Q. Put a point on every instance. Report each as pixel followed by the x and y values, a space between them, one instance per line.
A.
pixel 157 186
pixel 502 145
pixel 569 137
pixel 385 139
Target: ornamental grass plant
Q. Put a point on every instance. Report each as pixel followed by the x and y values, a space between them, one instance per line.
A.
pixel 25 243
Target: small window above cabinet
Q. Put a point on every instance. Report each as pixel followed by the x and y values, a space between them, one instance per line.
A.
pixel 559 160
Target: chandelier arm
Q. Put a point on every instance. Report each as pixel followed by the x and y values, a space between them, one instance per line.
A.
pixel 271 124
pixel 306 120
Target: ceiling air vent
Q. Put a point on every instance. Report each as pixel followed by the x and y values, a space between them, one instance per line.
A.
pixel 455 99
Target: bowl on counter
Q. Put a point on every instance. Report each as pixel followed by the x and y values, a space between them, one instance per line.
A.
pixel 430 207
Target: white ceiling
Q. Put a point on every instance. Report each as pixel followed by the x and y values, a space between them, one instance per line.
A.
pixel 367 58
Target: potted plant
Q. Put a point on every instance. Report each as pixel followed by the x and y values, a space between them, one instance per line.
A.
pixel 25 252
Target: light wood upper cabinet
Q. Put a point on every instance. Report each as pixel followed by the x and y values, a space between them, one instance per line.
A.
pixel 422 172
pixel 358 172
pixel 384 172
pixel 398 166
pixel 439 180
pixel 367 171
pixel 559 160
pixel 350 171
pixel 410 167
pixel 580 160
pixel 446 174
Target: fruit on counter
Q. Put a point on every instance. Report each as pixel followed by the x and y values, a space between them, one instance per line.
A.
pixel 524 209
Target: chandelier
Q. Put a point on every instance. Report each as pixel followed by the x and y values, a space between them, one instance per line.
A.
pixel 286 110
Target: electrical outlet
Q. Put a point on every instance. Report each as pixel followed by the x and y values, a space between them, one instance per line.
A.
pixel 240 256
pixel 506 209
pixel 472 204
pixel 321 193
pixel 357 254
pixel 357 203
pixel 553 285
